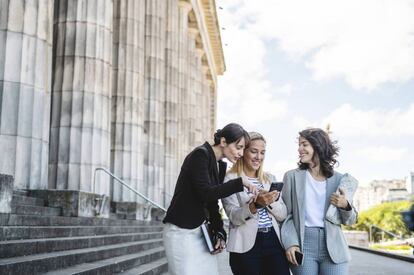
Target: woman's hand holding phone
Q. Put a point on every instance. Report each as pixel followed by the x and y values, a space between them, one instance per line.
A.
pixel 266 198
pixel 294 255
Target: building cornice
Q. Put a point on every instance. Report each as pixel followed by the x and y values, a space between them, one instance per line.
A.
pixel 211 19
pixel 207 23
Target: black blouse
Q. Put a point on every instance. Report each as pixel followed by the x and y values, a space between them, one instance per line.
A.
pixel 199 186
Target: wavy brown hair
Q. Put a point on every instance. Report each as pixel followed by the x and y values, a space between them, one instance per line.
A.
pixel 325 150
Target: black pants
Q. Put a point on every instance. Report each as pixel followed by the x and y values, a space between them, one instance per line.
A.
pixel 267 257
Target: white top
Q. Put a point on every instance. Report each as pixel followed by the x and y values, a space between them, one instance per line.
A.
pixel 314 201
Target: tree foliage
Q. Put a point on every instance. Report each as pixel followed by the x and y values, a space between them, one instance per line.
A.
pixel 386 216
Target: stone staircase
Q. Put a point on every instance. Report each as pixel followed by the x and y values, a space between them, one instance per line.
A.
pixel 35 239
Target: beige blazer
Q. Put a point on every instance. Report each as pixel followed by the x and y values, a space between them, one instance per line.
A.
pixel 244 224
pixel 293 229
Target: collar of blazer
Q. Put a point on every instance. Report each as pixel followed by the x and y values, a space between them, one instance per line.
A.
pixel 300 181
pixel 220 171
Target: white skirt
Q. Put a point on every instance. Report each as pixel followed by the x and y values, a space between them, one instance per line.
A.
pixel 187 253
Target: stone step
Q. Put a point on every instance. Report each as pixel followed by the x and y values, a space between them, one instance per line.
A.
pixel 31 220
pixel 20 192
pixel 57 260
pixel 39 232
pixel 16 248
pixel 24 200
pixel 35 210
pixel 155 267
pixel 115 264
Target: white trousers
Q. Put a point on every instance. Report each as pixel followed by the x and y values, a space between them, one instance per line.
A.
pixel 187 253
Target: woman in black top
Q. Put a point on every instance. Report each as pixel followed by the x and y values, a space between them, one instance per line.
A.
pixel 198 188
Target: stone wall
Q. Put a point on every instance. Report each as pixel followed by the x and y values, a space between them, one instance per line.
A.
pixel 359 238
pixel 127 85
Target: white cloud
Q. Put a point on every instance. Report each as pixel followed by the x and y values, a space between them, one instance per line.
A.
pixel 245 92
pixel 279 168
pixel 383 154
pixel 301 123
pixel 285 89
pixel 347 121
pixel 367 43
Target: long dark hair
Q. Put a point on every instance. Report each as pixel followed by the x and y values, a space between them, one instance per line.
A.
pixel 232 132
pixel 325 150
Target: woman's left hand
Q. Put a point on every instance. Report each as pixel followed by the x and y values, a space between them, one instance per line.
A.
pixel 339 200
pixel 220 246
pixel 266 198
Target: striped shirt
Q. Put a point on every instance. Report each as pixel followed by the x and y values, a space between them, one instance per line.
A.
pixel 264 219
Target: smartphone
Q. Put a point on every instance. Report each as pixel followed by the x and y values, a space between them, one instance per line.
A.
pixel 276 186
pixel 299 257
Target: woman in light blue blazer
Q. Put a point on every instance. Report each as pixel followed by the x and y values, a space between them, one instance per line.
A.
pixel 309 191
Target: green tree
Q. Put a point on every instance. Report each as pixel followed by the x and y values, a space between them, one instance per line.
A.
pixel 386 216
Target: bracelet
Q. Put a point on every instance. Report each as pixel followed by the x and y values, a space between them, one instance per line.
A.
pixel 220 235
pixel 258 206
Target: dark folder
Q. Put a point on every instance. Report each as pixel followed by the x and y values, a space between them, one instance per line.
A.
pixel 208 236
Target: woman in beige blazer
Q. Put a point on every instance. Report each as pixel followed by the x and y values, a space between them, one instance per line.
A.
pixel 254 235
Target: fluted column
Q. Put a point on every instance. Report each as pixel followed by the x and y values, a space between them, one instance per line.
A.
pixel 25 68
pixel 171 100
pixel 155 26
pixel 192 91
pixel 128 97
pixel 213 105
pixel 202 99
pixel 208 130
pixel 80 130
pixel 183 123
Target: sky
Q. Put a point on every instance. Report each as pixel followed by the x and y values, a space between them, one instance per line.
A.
pixel 297 64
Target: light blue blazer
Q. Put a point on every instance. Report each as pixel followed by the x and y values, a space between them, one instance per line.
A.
pixel 293 229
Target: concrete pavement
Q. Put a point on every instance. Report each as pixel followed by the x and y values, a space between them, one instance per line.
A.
pixel 363 263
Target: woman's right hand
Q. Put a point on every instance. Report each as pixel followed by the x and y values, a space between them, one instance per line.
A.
pixel 290 254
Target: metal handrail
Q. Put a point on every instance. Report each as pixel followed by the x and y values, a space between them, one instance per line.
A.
pixel 383 230
pixel 127 186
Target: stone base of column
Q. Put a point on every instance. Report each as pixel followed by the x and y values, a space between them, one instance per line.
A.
pixel 6 193
pixel 133 211
pixel 157 214
pixel 75 203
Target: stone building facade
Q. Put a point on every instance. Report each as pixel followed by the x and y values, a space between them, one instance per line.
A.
pixel 127 85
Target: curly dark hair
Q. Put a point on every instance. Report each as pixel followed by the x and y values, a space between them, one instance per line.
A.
pixel 325 150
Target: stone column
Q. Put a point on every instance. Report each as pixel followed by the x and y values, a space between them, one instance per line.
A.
pixel 25 68
pixel 6 194
pixel 201 98
pixel 128 97
pixel 81 97
pixel 172 138
pixel 183 123
pixel 213 104
pixel 200 126
pixel 192 91
pixel 155 26
pixel 208 129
